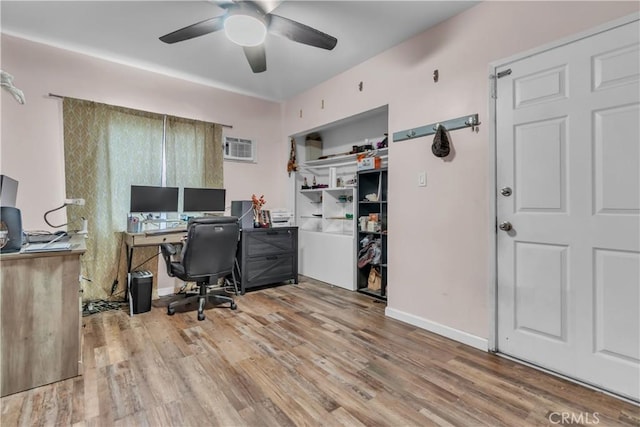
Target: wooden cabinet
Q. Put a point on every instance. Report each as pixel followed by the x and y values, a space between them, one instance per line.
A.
pixel 41 319
pixel 267 256
pixel 372 232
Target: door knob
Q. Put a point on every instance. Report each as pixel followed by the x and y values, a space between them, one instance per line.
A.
pixel 506 191
pixel 505 226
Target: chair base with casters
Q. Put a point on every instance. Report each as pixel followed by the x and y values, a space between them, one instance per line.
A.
pixel 208 254
pixel 202 297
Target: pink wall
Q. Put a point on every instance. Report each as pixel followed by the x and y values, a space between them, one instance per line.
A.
pixel 439 236
pixel 438 245
pixel 31 147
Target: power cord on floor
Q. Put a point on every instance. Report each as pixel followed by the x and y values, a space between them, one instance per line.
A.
pixel 99 306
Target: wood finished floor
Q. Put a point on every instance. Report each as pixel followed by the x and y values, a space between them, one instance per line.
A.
pixel 306 355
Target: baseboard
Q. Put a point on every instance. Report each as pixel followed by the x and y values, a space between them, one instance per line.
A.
pixel 437 328
pixel 162 292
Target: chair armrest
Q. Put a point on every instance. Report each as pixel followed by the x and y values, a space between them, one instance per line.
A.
pixel 168 250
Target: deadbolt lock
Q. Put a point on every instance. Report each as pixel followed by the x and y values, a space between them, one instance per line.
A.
pixel 506 191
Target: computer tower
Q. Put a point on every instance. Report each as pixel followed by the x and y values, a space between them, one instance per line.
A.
pixel 240 208
pixel 8 191
pixel 141 286
pixel 11 220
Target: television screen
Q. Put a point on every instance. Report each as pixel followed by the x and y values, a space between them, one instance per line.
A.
pixel 147 199
pixel 204 200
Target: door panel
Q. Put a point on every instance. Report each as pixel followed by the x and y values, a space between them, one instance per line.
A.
pixel 541 146
pixel 616 157
pixel 568 145
pixel 616 67
pixel 540 87
pixel 541 287
pixel 617 274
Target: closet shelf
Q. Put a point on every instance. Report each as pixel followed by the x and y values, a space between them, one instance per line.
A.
pixel 342 160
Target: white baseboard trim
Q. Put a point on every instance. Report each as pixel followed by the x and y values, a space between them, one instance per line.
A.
pixel 437 328
pixel 162 292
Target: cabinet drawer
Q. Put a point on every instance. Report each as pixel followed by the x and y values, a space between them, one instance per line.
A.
pixel 269 242
pixel 269 269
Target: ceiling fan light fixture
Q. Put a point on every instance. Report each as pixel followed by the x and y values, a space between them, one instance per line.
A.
pixel 245 30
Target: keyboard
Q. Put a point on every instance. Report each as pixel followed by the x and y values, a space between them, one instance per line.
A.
pixel 45 238
pixel 46 247
pixel 165 231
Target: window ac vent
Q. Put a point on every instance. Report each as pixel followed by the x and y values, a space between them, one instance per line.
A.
pixel 239 149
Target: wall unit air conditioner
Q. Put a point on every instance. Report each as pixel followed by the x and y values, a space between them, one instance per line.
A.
pixel 240 149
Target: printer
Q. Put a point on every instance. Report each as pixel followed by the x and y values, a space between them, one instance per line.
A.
pixel 281 218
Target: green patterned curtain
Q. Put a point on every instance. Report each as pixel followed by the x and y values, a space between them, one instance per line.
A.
pixel 194 154
pixel 106 150
pixel 109 148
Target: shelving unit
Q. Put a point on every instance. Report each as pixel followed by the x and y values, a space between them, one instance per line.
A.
pixel 325 218
pixel 327 210
pixel 310 210
pixel 372 234
pixel 326 214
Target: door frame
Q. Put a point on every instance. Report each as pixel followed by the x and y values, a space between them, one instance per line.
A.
pixel 493 220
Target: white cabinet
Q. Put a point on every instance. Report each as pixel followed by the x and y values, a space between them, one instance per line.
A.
pixel 326 202
pixel 338 211
pixel 326 221
pixel 309 210
pixel 328 210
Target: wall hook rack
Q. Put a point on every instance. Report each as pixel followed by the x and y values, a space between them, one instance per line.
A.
pixel 453 124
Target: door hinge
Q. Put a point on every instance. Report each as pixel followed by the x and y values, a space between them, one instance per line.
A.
pixel 494 81
pixel 501 74
pixel 494 86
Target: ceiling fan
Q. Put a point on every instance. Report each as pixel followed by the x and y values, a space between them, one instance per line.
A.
pixel 246 23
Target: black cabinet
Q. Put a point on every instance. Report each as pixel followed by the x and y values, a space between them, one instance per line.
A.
pixel 372 233
pixel 267 256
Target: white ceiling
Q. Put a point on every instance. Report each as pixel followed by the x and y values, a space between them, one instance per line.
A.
pixel 128 31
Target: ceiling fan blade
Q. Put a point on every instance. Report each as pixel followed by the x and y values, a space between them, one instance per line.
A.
pixel 257 58
pixel 300 33
pixel 199 29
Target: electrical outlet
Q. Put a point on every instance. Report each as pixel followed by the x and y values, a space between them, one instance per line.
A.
pixel 422 179
pixel 79 202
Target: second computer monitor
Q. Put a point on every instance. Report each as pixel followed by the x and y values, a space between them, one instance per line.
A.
pixel 204 200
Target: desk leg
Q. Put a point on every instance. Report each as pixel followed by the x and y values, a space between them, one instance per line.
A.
pixel 129 261
pixel 127 291
pixel 238 277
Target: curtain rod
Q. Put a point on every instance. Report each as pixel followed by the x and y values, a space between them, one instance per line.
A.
pixel 53 95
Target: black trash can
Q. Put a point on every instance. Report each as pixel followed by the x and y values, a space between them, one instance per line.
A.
pixel 141 286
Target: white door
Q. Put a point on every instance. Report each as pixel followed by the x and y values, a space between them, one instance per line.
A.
pixel 567 145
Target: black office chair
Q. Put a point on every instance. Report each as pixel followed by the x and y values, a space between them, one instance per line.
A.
pixel 208 254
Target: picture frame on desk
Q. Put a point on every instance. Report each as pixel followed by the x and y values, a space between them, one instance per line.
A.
pixel 265 219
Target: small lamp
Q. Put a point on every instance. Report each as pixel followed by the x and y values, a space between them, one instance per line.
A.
pixel 67 202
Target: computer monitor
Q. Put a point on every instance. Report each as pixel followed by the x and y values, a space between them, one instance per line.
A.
pixel 204 200
pixel 8 191
pixel 148 199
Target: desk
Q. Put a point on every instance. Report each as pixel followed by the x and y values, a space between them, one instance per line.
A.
pixel 41 329
pixel 139 240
